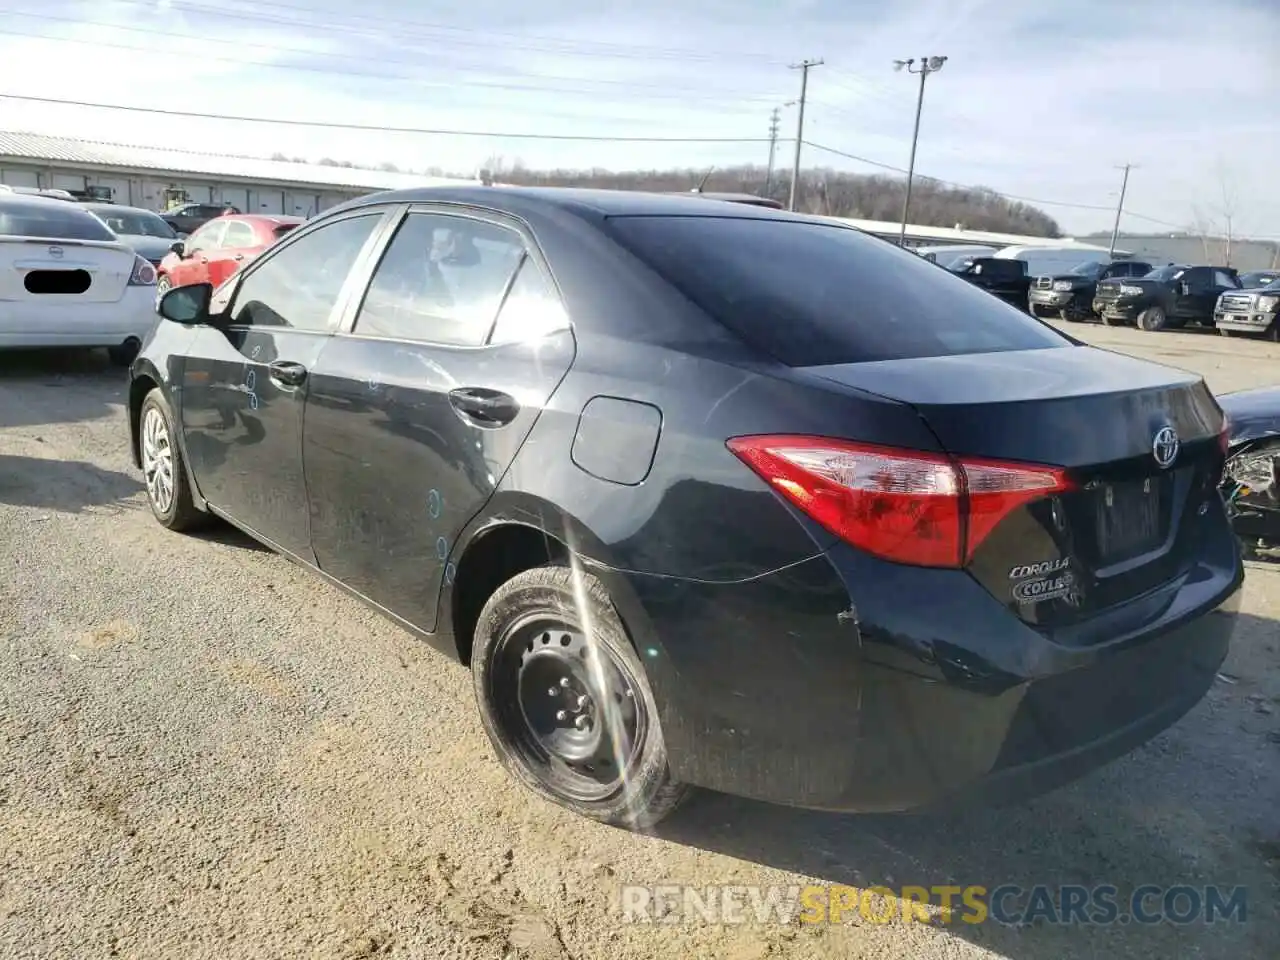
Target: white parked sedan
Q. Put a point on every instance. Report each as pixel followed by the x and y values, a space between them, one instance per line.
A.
pixel 67 281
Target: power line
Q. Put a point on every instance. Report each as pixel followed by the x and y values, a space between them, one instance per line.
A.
pixel 376 128
pixel 719 95
pixel 432 32
pixel 330 71
pixel 966 186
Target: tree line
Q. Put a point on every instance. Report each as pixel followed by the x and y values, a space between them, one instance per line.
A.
pixel 833 193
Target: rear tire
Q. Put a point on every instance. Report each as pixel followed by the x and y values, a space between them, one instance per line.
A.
pixel 163 469
pixel 569 711
pixel 124 354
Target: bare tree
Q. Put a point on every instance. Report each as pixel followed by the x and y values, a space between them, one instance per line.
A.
pixel 1202 226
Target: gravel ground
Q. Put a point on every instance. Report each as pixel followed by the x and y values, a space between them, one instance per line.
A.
pixel 205 752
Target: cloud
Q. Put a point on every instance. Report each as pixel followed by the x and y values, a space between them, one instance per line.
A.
pixel 1039 100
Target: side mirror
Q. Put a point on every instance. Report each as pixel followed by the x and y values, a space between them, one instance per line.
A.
pixel 179 247
pixel 188 305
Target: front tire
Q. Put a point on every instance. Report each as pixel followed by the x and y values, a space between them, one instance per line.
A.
pixel 163 469
pixel 1152 319
pixel 564 699
pixel 163 285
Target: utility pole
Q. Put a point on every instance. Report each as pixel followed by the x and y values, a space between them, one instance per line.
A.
pixel 1115 231
pixel 775 119
pixel 928 65
pixel 803 66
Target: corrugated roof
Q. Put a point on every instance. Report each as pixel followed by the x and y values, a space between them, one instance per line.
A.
pixel 35 146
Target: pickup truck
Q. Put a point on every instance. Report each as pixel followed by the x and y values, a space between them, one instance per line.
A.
pixel 1070 294
pixel 1250 310
pixel 1166 298
pixel 1006 279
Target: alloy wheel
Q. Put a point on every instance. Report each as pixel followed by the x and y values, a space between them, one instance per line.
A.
pixel 157 459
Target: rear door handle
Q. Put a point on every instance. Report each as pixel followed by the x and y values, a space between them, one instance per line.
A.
pixel 485 407
pixel 287 373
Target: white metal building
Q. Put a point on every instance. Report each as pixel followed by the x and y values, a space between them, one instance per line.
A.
pixel 139 176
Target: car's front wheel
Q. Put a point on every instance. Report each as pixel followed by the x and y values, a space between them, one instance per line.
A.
pixel 163 285
pixel 1152 319
pixel 565 702
pixel 163 469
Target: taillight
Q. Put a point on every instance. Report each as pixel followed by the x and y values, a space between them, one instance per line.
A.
pixel 908 506
pixel 144 274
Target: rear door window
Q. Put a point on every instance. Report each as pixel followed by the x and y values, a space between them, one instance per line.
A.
pixel 808 293
pixel 239 234
pixel 440 281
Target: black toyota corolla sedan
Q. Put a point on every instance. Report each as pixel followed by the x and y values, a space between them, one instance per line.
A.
pixel 709 494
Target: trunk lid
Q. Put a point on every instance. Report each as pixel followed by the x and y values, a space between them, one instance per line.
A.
pixel 1130 522
pixel 36 270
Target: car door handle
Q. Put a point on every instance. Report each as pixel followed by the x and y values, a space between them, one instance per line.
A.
pixel 287 373
pixel 486 407
pixel 238 256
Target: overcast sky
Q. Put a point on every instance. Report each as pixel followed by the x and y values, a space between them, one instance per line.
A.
pixel 1038 99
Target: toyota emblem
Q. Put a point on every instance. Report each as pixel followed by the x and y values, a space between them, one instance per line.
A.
pixel 1164 447
pixel 55 253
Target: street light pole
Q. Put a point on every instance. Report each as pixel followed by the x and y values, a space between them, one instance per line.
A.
pixel 928 65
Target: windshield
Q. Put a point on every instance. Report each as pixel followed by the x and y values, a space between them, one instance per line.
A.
pixel 811 294
pixel 136 223
pixel 1259 278
pixel 1093 270
pixel 1164 273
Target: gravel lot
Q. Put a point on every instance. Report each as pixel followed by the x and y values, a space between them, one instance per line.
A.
pixel 204 752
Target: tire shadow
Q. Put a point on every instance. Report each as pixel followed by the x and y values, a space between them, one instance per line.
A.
pixel 70 486
pixel 78 385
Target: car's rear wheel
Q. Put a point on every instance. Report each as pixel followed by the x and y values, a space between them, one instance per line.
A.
pixel 125 353
pixel 163 469
pixel 565 701
pixel 1152 319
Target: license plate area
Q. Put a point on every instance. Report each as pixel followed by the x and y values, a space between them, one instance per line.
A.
pixel 1131 517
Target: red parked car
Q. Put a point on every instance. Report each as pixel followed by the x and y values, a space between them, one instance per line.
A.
pixel 220 247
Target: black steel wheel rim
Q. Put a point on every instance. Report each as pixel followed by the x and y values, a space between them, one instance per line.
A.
pixel 569 708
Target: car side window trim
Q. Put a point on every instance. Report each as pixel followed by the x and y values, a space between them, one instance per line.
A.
pixel 532 255
pixel 359 269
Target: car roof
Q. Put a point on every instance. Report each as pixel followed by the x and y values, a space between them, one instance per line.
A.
pixel 583 201
pixel 277 218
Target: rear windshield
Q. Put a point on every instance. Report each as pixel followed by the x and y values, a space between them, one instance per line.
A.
pixel 134 223
pixel 50 220
pixel 810 294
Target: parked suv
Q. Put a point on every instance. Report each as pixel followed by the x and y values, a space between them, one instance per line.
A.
pixel 1168 297
pixel 1070 294
pixel 1249 311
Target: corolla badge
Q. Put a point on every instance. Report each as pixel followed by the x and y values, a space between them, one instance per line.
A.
pixel 1164 447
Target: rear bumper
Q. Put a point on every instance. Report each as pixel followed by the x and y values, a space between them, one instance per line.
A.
pixel 916 687
pixel 69 324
